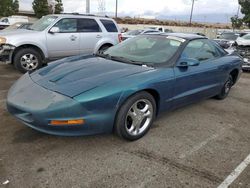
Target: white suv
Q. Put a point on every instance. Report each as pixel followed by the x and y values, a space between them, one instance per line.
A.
pixel 57 36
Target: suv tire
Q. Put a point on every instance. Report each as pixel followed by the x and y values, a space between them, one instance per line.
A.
pixel 27 59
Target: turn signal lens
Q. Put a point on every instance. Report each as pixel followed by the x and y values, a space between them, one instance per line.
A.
pixel 67 122
pixel 2 40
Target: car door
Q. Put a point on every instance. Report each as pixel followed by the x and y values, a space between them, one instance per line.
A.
pixel 65 42
pixel 90 33
pixel 204 80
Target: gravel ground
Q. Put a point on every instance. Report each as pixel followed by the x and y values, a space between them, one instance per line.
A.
pixel 195 146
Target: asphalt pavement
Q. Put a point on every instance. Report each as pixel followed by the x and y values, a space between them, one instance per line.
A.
pixel 196 146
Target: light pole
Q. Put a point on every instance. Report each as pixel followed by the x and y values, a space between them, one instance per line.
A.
pixel 87 6
pixel 191 15
pixel 116 8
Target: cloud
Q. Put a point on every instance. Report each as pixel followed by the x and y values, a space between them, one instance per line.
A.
pixel 153 7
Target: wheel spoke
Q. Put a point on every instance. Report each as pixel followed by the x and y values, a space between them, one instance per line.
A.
pixel 147 114
pixel 145 109
pixel 132 115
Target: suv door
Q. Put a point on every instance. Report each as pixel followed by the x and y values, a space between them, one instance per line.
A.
pixel 66 42
pixel 197 82
pixel 90 33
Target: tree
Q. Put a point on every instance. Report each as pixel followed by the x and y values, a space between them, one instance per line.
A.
pixel 40 7
pixel 15 6
pixel 58 7
pixel 245 9
pixel 236 22
pixel 8 7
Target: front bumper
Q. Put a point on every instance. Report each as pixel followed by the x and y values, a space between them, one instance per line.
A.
pixel 36 106
pixel 6 52
pixel 246 65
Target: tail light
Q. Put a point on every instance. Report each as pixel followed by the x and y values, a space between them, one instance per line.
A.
pixel 120 37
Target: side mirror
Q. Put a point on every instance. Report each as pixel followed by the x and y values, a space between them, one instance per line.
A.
pixel 187 62
pixel 54 30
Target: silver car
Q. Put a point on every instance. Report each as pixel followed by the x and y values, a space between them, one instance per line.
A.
pixel 57 36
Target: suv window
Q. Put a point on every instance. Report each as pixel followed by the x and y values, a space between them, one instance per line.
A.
pixel 67 25
pixel 200 50
pixel 5 20
pixel 86 25
pixel 109 26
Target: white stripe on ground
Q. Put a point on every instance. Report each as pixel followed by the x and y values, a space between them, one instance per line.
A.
pixel 202 144
pixel 198 146
pixel 236 173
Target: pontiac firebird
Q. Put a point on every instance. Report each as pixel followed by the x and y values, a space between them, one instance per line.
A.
pixel 124 88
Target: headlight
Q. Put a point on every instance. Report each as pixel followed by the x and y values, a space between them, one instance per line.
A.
pixel 2 40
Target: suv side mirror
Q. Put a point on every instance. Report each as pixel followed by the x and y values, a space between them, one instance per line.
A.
pixel 187 62
pixel 54 30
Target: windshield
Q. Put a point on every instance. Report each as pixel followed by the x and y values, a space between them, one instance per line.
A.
pixel 247 37
pixel 148 50
pixel 43 23
pixel 229 36
pixel 5 20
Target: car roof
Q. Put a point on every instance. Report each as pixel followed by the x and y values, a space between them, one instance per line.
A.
pixel 186 36
pixel 76 15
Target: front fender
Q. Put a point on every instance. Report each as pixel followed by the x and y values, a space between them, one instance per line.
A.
pixel 41 46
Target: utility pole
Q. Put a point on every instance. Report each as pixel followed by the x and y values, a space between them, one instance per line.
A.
pixel 191 15
pixel 116 8
pixel 238 12
pixel 87 6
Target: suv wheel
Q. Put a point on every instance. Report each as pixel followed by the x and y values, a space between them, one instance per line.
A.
pixel 27 59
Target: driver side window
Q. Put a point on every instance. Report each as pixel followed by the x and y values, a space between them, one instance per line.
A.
pixel 200 50
pixel 67 25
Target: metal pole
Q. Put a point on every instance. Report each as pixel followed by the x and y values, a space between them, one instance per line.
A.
pixel 238 12
pixel 87 6
pixel 116 8
pixel 191 15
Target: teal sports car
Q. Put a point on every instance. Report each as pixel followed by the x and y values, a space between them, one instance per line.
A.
pixel 125 88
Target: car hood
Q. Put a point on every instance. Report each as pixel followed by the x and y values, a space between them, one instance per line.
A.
pixel 10 33
pixel 242 41
pixel 72 77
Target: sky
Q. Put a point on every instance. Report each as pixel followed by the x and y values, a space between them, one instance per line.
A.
pixel 208 10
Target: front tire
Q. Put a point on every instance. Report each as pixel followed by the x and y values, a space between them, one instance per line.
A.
pixel 27 59
pixel 135 116
pixel 226 89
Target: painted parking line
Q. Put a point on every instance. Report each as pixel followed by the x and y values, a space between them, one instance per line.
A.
pixel 236 173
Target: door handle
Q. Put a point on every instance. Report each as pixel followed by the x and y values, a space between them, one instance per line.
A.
pixel 73 37
pixel 98 36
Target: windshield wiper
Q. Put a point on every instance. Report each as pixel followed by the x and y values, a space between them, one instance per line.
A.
pixel 120 59
pixel 125 60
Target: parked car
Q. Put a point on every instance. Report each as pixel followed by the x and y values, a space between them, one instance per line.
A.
pixel 244 40
pixel 243 48
pixel 125 88
pixel 227 39
pixel 158 28
pixel 57 36
pixel 134 33
pixel 7 21
pixel 19 25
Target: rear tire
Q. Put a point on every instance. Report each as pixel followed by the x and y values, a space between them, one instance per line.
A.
pixel 135 116
pixel 27 59
pixel 226 89
pixel 104 48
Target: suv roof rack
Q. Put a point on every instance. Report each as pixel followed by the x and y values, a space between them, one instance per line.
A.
pixel 78 14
